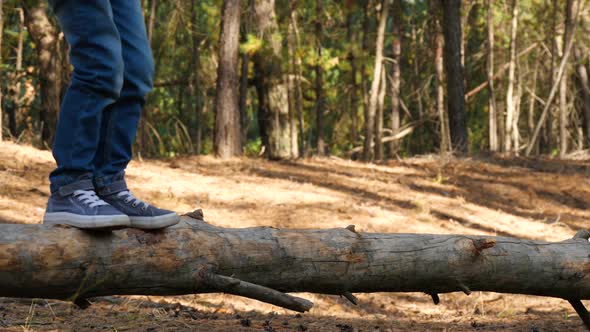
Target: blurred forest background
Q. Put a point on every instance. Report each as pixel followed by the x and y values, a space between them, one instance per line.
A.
pixel 365 79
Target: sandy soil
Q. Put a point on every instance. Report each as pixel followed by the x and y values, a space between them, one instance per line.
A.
pixel 534 199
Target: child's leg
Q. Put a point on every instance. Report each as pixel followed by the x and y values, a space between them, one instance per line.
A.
pixel 121 120
pixel 97 80
pixel 96 83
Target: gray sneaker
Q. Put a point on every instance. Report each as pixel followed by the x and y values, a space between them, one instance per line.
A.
pixel 77 205
pixel 141 214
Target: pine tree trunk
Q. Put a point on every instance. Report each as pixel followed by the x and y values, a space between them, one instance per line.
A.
pixel 227 113
pixel 584 83
pixel 298 74
pixel 493 118
pixel 196 126
pixel 379 117
pixel 1 35
pixel 353 94
pixel 396 75
pixel 374 95
pixel 563 107
pixel 445 141
pixel 271 86
pixel 454 74
pixel 319 84
pixel 45 36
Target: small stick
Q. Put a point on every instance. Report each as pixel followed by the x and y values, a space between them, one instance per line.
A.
pixel 351 228
pixel 582 312
pixel 353 299
pixel 465 289
pixel 435 298
pixel 235 286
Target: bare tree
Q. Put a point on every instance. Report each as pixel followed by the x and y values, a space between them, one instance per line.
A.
pixel 374 96
pixel 227 112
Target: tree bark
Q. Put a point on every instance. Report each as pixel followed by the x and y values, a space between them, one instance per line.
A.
pixel 454 74
pixel 445 141
pixel 263 262
pixel 298 72
pixel 584 84
pixel 319 77
pixel 351 34
pixel 45 36
pixel 273 104
pixel 493 118
pixel 396 74
pixel 563 107
pixel 227 112
pixel 195 84
pixel 510 105
pixel 374 95
pixel 1 34
pixel 379 117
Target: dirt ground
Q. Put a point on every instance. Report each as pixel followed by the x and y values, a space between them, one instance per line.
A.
pixel 534 199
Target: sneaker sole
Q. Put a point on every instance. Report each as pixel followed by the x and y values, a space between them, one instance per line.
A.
pixel 87 222
pixel 158 222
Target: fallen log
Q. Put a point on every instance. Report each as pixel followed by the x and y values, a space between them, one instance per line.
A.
pixel 264 263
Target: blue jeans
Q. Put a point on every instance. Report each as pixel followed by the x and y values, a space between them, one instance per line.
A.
pixel 113 72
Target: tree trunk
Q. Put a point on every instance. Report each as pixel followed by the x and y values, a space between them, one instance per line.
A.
pixel 244 77
pixel 227 110
pixel 364 60
pixel 45 36
pixel 319 77
pixel 510 107
pixel 454 74
pixel 493 118
pixel 379 116
pixel 445 141
pixel 396 74
pixel 195 85
pixel 262 262
pixel 532 104
pixel 1 34
pixel 298 72
pixel 353 93
pixel 374 95
pixel 273 104
pixel 563 108
pixel 584 83
pixel 14 115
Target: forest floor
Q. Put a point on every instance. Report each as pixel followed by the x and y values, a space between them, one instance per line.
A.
pixel 528 198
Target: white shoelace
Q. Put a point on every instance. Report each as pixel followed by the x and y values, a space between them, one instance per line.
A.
pixel 130 198
pixel 89 198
